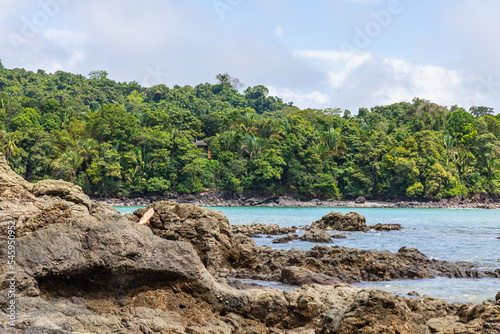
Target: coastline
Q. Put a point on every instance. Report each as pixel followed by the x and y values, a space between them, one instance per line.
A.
pixel 226 199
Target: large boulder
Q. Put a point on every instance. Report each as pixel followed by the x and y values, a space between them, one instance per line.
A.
pixel 206 229
pixel 336 221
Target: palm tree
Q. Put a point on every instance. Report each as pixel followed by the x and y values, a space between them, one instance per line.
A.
pixel 247 123
pixel 449 143
pixel 88 149
pixel 335 142
pixel 269 130
pixel 9 147
pixel 253 145
pixel 68 164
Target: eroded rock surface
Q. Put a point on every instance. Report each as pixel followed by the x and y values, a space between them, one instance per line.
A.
pixel 260 228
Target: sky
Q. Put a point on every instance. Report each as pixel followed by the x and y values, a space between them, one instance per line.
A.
pixel 344 54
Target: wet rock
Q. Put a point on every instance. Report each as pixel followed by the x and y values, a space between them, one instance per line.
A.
pixel 384 227
pixel 339 236
pixel 286 239
pixel 336 221
pixel 360 200
pixel 316 235
pixel 301 276
pixel 259 228
pixel 351 265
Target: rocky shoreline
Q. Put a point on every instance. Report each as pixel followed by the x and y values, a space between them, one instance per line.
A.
pixel 217 199
pixel 82 267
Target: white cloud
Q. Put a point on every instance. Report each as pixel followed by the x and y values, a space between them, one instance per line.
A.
pixel 278 31
pixel 365 79
pixel 301 100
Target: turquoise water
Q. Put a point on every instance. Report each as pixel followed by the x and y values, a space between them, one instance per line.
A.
pixel 445 234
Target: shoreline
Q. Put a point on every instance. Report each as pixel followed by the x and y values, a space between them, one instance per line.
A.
pixel 224 199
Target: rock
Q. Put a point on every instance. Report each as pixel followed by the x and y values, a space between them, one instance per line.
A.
pixel 316 235
pixel 63 190
pixel 9 179
pixel 360 200
pixel 336 221
pixel 351 265
pixel 497 298
pixel 384 227
pixel 301 276
pixel 286 239
pixel 206 229
pixel 414 294
pixel 259 228
pixel 339 236
pixel 54 214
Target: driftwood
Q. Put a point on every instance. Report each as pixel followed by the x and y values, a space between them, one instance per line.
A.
pixel 145 218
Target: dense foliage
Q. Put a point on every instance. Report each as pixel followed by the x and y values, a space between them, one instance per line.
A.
pixel 121 139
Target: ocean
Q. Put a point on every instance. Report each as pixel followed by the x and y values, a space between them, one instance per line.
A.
pixel 445 234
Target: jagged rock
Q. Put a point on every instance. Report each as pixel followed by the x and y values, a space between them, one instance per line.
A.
pixel 316 235
pixel 206 229
pixel 336 221
pixel 9 179
pixel 351 265
pixel 259 228
pixel 62 189
pixel 360 200
pixel 286 239
pixel 301 276
pixel 54 214
pixel 384 227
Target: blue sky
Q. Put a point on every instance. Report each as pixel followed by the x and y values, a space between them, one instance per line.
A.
pixel 323 54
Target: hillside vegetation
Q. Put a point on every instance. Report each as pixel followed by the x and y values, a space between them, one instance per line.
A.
pixel 121 139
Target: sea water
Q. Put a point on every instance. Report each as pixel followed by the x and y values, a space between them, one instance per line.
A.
pixel 445 234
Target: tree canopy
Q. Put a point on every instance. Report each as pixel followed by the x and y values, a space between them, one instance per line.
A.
pixel 122 139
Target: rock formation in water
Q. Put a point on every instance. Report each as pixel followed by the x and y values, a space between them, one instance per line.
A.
pixel 352 221
pixel 83 268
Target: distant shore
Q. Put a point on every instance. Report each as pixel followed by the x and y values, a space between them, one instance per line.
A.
pixel 214 198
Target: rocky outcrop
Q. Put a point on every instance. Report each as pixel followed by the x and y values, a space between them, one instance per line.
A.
pixel 360 200
pixel 336 221
pixel 35 206
pixel 207 230
pixel 353 265
pixel 352 221
pixel 384 227
pixel 286 239
pixel 80 268
pixel 259 228
pixel 316 235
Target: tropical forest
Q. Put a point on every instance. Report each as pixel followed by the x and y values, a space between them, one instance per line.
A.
pixel 123 139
